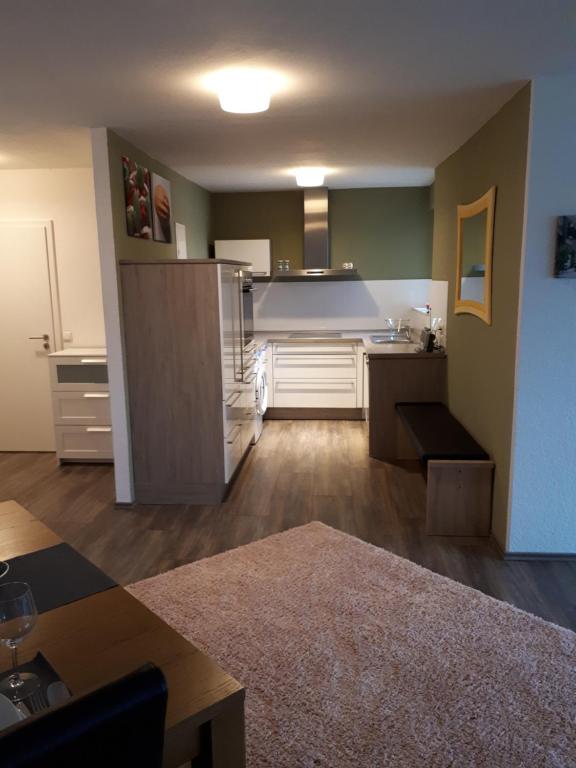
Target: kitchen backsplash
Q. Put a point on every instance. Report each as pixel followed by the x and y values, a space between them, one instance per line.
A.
pixel 345 305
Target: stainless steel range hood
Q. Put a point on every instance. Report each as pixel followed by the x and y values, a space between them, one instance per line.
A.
pixel 317 239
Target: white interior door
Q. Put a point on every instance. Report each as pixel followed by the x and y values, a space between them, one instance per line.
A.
pixel 26 301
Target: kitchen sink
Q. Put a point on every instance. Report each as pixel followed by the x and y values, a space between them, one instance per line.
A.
pixel 316 335
pixel 391 337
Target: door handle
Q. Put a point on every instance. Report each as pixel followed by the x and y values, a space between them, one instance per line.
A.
pixel 45 338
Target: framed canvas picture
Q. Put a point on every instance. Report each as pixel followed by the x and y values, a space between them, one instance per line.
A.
pixel 137 197
pixel 565 259
pixel 162 209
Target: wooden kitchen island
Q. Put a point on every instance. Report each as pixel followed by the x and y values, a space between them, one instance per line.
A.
pixel 95 640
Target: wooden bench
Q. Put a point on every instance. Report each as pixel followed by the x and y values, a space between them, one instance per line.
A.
pixel 459 472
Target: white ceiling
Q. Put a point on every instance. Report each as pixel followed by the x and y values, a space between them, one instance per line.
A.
pixel 380 91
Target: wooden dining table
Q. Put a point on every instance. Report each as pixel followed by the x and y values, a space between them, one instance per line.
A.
pixel 97 639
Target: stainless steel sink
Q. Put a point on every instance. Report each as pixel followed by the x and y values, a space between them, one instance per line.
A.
pixel 391 337
pixel 315 335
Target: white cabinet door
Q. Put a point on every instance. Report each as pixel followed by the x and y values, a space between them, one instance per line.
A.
pixel 315 394
pixel 84 408
pixel 255 252
pixel 78 374
pixel 314 349
pixel 315 366
pixel 84 443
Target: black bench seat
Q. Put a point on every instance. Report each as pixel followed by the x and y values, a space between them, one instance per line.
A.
pixel 436 434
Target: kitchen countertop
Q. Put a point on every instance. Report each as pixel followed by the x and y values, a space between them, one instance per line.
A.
pixel 359 337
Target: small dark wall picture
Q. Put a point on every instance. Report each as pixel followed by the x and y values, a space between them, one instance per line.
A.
pixel 137 196
pixel 162 209
pixel 565 261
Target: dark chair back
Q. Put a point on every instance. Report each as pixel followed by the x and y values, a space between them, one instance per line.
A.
pixel 117 726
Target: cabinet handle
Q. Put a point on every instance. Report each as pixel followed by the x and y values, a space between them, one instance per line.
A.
pixel 92 360
pixel 96 395
pixel 231 439
pixel 233 399
pixel 98 429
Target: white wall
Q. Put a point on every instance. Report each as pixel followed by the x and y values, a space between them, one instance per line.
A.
pixel 543 499
pixel 344 305
pixel 67 197
pixel 111 293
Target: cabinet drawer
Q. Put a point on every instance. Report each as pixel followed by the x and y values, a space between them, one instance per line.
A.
pixel 233 449
pixel 314 349
pixel 315 367
pixel 314 394
pixel 79 373
pixel 84 408
pixel 87 443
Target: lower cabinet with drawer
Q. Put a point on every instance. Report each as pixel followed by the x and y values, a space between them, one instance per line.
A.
pixel 315 394
pixel 84 443
pixel 81 405
pixel 315 381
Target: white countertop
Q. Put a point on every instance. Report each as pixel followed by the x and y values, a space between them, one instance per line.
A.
pixel 360 337
pixel 80 352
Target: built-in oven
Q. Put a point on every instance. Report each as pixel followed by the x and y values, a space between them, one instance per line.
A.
pixel 247 308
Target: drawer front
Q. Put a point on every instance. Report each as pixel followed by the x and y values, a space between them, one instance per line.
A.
pixel 315 394
pixel 82 408
pixel 315 367
pixel 233 448
pixel 86 443
pixel 79 373
pixel 314 349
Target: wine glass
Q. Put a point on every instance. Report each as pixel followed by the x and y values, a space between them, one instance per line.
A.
pixel 18 616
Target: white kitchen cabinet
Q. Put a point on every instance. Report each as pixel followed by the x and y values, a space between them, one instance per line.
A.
pixel 315 366
pixel 81 405
pixel 315 394
pixel 255 252
pixel 302 348
pixel 88 408
pixel 81 443
pixel 316 375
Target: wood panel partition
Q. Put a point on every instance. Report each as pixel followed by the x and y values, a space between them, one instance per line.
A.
pixel 172 342
pixel 409 379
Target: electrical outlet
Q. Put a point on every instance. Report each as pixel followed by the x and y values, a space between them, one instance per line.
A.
pixel 67 336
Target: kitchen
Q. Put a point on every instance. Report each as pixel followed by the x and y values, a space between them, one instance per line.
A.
pixel 278 343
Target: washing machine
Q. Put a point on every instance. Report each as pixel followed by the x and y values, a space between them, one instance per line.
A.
pixel 261 395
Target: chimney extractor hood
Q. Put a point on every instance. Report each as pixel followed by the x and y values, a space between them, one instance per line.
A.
pixel 316 239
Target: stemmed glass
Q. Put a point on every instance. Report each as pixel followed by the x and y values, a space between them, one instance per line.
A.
pixel 18 616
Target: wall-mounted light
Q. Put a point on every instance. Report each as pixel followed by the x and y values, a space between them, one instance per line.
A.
pixel 310 177
pixel 244 90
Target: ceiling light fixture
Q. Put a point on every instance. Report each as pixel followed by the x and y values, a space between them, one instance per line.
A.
pixel 310 177
pixel 243 90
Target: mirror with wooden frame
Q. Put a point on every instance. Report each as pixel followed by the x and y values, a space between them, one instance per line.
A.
pixel 474 257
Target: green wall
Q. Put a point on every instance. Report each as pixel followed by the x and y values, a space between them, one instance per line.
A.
pixel 190 206
pixel 278 216
pixel 387 233
pixel 481 358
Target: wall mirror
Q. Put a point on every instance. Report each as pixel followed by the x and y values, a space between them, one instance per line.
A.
pixel 474 257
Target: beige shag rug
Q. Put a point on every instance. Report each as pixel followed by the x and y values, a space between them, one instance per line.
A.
pixel 355 658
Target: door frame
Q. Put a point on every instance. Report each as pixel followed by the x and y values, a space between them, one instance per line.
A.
pixel 48 226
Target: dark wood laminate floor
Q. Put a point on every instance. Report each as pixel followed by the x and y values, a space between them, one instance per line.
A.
pixel 299 471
